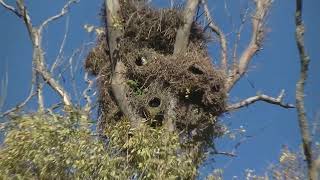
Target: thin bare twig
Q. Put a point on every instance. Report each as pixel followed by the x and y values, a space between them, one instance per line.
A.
pixel 235 48
pixel 64 11
pixel 19 106
pixel 59 56
pixel 220 34
pixel 231 154
pixel 260 97
pixel 10 8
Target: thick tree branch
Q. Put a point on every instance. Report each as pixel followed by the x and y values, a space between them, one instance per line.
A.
pixel 303 122
pixel 27 21
pixel 180 46
pixel 114 29
pixel 118 82
pixel 316 168
pixel 260 97
pixel 258 19
pixel 120 89
pixel 220 34
pixel 183 33
pixel 40 94
pixel 171 114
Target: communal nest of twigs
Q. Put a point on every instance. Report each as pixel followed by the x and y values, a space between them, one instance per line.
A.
pixel 156 76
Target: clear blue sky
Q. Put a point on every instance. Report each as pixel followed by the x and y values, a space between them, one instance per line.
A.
pixel 275 68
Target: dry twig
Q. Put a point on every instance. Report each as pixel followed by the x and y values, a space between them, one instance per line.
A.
pixel 260 97
pixel 220 34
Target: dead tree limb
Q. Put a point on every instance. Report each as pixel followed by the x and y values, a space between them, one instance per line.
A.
pixel 59 56
pixel 10 8
pixel 20 105
pixel 258 20
pixel 38 60
pixel 260 97
pixel 183 33
pixel 220 34
pixel 303 122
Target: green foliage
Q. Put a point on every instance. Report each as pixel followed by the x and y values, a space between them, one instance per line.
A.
pixel 154 153
pixel 64 147
pixel 134 85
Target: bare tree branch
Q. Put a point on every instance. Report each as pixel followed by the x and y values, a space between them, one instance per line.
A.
pixel 180 46
pixel 171 114
pixel 260 97
pixel 19 106
pixel 220 34
pixel 40 94
pixel 118 83
pixel 64 11
pixel 258 19
pixel 59 56
pixel 316 167
pixel 236 43
pixel 302 119
pixel 120 89
pixel 226 153
pixel 183 33
pixel 10 8
pixel 27 21
pixel 231 154
pixel 38 60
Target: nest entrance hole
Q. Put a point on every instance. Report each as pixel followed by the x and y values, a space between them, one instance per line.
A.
pixel 155 102
pixel 140 61
pixel 158 120
pixel 195 70
pixel 195 97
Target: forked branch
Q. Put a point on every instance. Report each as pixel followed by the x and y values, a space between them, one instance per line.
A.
pixel 10 8
pixel 258 20
pixel 260 97
pixel 38 60
pixel 63 12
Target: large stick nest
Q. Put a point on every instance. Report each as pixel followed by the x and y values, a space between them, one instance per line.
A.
pixel 155 76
